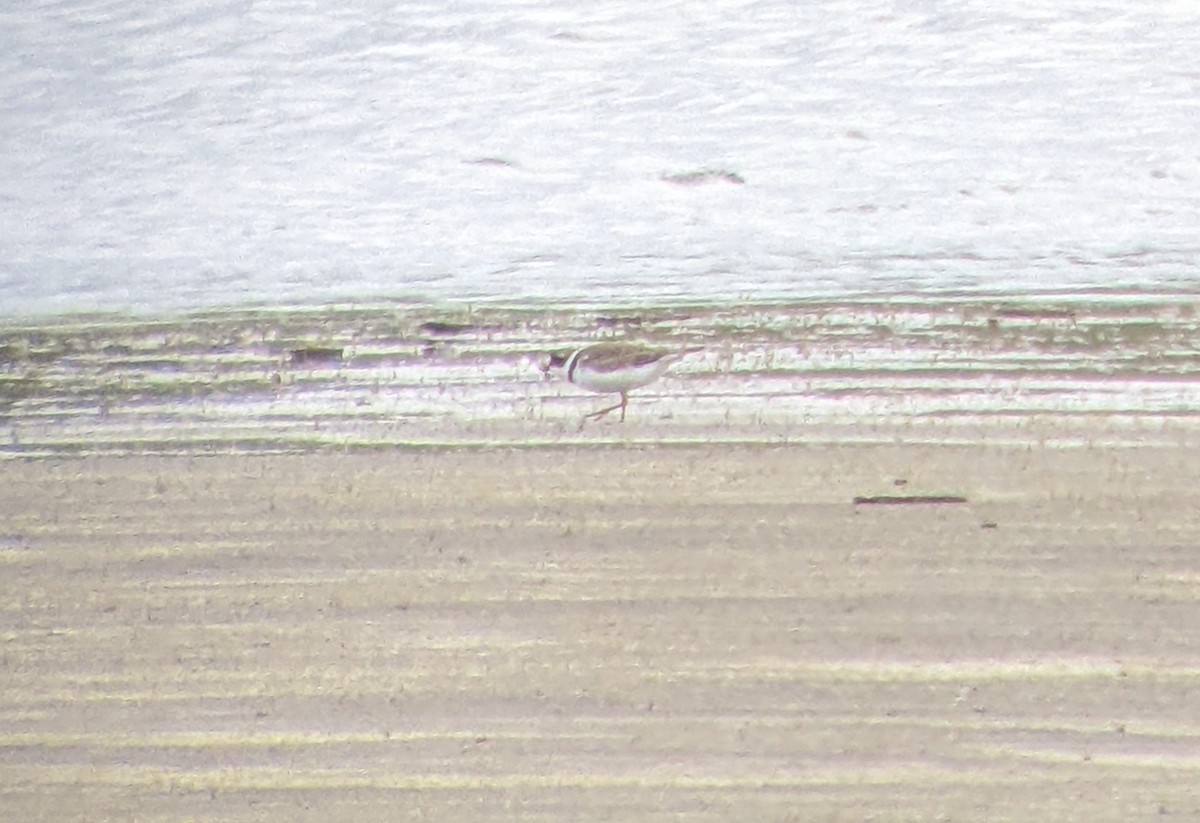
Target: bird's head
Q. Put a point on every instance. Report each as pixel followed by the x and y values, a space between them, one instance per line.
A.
pixel 554 362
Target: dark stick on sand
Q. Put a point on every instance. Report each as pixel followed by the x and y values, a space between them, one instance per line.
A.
pixel 908 500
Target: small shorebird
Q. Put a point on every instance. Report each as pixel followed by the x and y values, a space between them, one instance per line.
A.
pixel 612 368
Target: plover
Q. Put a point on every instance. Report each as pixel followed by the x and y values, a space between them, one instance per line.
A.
pixel 612 368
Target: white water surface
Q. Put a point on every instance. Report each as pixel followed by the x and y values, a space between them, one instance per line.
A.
pixel 163 157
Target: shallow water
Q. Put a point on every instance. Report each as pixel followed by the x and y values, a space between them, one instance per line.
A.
pixel 200 154
pixel 385 376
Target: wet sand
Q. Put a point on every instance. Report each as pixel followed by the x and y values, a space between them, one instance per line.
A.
pixel 657 633
pixel 1116 368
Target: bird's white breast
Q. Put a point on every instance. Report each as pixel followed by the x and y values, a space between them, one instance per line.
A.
pixel 625 378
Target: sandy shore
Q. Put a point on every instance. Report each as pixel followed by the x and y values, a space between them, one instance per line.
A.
pixel 670 633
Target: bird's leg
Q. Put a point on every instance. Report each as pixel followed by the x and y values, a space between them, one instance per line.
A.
pixel 596 415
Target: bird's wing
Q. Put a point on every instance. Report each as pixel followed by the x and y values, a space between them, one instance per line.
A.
pixel 613 356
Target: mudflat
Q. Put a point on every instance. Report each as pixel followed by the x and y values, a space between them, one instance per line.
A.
pixel 617 633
